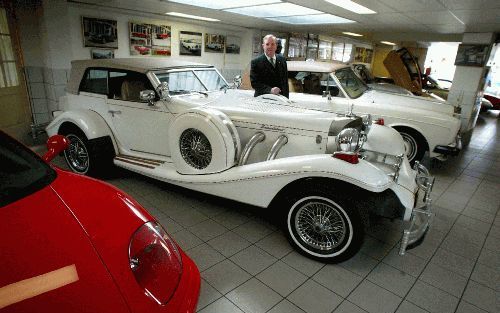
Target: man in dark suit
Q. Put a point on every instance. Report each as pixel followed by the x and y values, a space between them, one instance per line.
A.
pixel 268 72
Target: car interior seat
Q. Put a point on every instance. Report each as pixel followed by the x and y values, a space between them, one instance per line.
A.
pixel 295 85
pixel 312 85
pixel 130 90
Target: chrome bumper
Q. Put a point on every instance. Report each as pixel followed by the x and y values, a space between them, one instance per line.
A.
pixel 452 149
pixel 418 225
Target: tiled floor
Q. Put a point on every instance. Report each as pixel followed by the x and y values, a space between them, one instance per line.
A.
pixel 248 266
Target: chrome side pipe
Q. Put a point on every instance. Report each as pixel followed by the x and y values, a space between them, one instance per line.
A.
pixel 256 138
pixel 278 144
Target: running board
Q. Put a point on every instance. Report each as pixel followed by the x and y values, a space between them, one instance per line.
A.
pixel 142 162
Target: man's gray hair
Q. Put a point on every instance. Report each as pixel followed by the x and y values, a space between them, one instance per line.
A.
pixel 266 37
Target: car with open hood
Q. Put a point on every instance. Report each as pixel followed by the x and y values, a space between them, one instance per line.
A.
pixel 319 173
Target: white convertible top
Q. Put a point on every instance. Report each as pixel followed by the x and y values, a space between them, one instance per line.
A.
pixel 313 66
pixel 141 65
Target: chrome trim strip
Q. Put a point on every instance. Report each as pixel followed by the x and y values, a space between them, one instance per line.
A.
pixel 278 144
pixel 226 121
pixel 256 138
pixel 139 159
pixel 134 163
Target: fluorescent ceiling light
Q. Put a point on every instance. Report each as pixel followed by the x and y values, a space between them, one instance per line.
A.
pixel 388 43
pixel 278 9
pixel 224 4
pixel 195 17
pixel 352 34
pixel 351 6
pixel 312 19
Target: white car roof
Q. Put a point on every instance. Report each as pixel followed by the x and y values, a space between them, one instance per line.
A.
pixel 141 65
pixel 313 66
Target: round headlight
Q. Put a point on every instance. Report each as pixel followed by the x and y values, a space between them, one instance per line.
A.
pixel 367 122
pixel 348 140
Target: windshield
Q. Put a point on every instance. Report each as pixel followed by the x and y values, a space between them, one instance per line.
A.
pixel 21 171
pixel 352 84
pixel 182 82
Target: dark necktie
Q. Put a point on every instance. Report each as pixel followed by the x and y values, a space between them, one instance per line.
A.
pixel 273 62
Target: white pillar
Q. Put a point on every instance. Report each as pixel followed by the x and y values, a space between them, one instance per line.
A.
pixel 467 86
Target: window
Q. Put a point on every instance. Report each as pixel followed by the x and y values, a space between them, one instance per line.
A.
pixel 211 79
pixel 95 81
pixel 188 81
pixel 312 47
pixel 8 68
pixel 342 51
pixel 21 171
pixel 351 83
pixel 325 50
pixel 297 46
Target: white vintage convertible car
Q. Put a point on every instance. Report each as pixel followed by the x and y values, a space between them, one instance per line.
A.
pixel 425 124
pixel 320 173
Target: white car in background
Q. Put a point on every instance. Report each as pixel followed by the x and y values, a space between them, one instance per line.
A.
pixel 424 124
pixel 319 173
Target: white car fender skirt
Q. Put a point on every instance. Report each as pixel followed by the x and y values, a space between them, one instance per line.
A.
pixel 90 122
pixel 203 141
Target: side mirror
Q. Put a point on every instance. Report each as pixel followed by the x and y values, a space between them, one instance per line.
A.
pixel 327 94
pixel 162 90
pixel 55 145
pixel 237 81
pixel 147 96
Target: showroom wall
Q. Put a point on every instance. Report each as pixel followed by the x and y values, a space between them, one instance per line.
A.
pixel 51 36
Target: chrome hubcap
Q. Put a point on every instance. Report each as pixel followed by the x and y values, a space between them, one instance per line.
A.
pixel 410 146
pixel 320 225
pixel 76 154
pixel 195 148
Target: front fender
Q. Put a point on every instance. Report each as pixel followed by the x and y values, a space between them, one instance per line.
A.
pixel 90 122
pixel 384 139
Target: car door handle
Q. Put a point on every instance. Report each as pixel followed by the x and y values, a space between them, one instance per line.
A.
pixel 114 112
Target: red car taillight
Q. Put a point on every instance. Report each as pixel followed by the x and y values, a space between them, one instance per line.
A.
pixel 380 121
pixel 155 262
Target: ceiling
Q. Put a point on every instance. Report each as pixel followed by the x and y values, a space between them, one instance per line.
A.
pixel 395 20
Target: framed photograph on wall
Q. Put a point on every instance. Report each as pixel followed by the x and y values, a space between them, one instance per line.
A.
pixel 215 43
pixel 161 40
pixel 233 45
pixel 190 43
pixel 140 38
pixel 150 39
pixel 472 55
pixel 100 33
pixel 102 53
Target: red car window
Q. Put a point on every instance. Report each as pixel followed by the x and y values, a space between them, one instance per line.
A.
pixel 22 172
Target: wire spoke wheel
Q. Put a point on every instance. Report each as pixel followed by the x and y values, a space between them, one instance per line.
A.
pixel 77 155
pixel 320 225
pixel 195 148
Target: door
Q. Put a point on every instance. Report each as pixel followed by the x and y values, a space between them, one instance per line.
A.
pixel 48 262
pixel 15 113
pixel 138 126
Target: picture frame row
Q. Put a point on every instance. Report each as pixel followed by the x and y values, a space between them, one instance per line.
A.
pixel 147 39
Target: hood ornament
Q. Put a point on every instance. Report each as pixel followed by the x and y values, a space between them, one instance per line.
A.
pixel 349 111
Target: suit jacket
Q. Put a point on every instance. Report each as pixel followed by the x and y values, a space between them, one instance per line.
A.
pixel 264 76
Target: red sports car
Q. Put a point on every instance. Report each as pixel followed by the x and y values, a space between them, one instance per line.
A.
pixel 69 243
